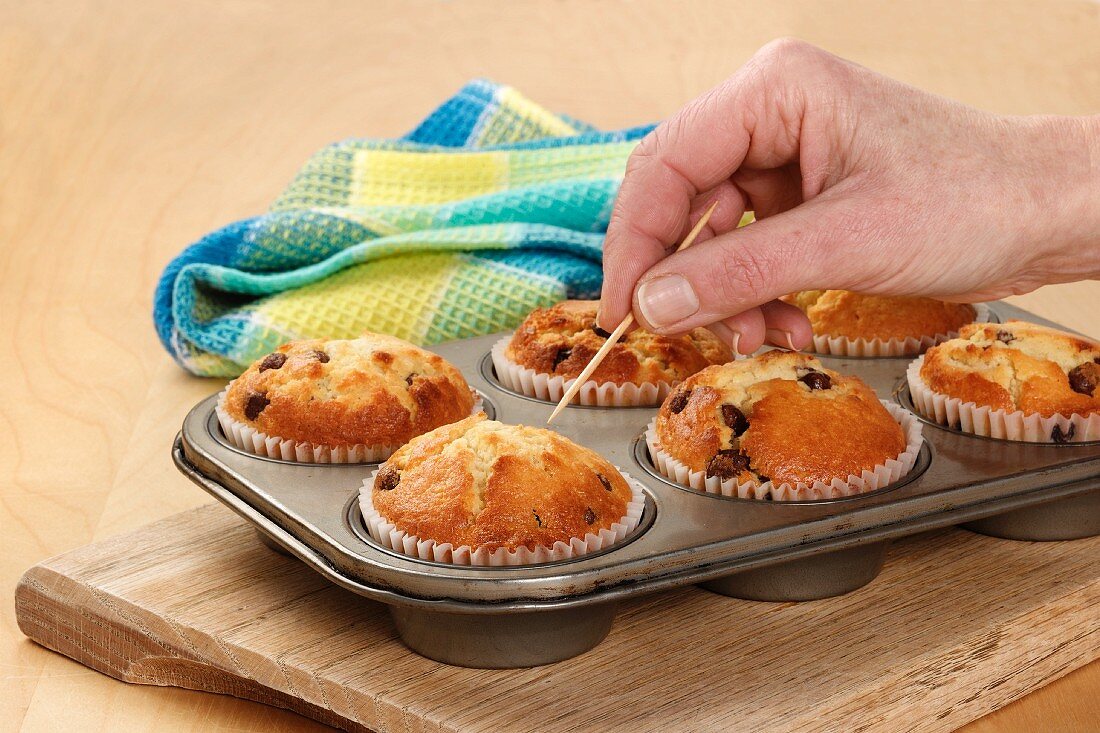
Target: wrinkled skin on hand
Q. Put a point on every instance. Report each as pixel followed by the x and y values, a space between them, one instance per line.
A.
pixel 858 182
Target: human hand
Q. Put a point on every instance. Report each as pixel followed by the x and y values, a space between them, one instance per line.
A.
pixel 858 182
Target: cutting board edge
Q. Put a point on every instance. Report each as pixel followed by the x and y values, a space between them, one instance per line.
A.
pixel 38 591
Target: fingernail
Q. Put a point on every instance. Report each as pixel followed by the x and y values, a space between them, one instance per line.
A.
pixel 727 335
pixel 666 300
pixel 599 317
pixel 781 338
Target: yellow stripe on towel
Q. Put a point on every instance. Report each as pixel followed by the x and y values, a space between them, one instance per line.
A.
pixel 399 178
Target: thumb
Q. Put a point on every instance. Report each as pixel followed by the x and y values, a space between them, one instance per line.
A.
pixel 741 269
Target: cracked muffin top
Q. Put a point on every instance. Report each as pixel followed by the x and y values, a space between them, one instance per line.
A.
pixel 854 315
pixel 1017 366
pixel 780 416
pixel 375 390
pixel 481 483
pixel 562 339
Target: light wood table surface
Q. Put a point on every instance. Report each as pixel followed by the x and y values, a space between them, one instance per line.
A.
pixel 129 129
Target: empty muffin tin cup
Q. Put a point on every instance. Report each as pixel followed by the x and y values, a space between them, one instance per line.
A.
pixel 806 579
pixel 506 640
pixel 1062 519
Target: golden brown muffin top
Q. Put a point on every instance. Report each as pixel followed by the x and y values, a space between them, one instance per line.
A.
pixel 1017 366
pixel 562 339
pixel 780 416
pixel 376 390
pixel 855 315
pixel 481 483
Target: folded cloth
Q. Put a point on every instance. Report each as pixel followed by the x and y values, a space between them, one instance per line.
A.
pixel 492 206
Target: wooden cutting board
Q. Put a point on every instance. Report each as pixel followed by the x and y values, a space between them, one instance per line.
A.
pixel 956 626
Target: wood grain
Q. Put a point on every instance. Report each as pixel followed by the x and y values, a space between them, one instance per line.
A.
pixel 128 129
pixel 947 633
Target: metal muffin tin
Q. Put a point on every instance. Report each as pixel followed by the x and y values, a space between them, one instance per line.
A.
pixel 761 550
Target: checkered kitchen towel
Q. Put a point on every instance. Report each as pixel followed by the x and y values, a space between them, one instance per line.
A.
pixel 492 206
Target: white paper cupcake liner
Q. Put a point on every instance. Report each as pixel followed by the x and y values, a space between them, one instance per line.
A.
pixel 842 346
pixel 551 388
pixel 388 535
pixel 991 423
pixel 258 443
pixel 871 480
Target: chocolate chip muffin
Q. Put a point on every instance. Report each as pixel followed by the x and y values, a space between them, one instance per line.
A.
pixel 553 345
pixel 1017 366
pixel 856 317
pixel 487 486
pixel 375 390
pixel 780 417
pixel 562 339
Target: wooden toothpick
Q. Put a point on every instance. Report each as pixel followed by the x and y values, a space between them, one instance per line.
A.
pixel 621 328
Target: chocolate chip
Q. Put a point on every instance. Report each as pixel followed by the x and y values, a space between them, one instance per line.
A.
pixel 604 480
pixel 601 333
pixel 727 464
pixel 1005 337
pixel 735 419
pixel 387 479
pixel 273 361
pixel 1084 378
pixel 679 401
pixel 538 520
pixel 563 354
pixel 589 516
pixel 763 479
pixel 321 356
pixel 1059 437
pixel 409 379
pixel 816 380
pixel 256 403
